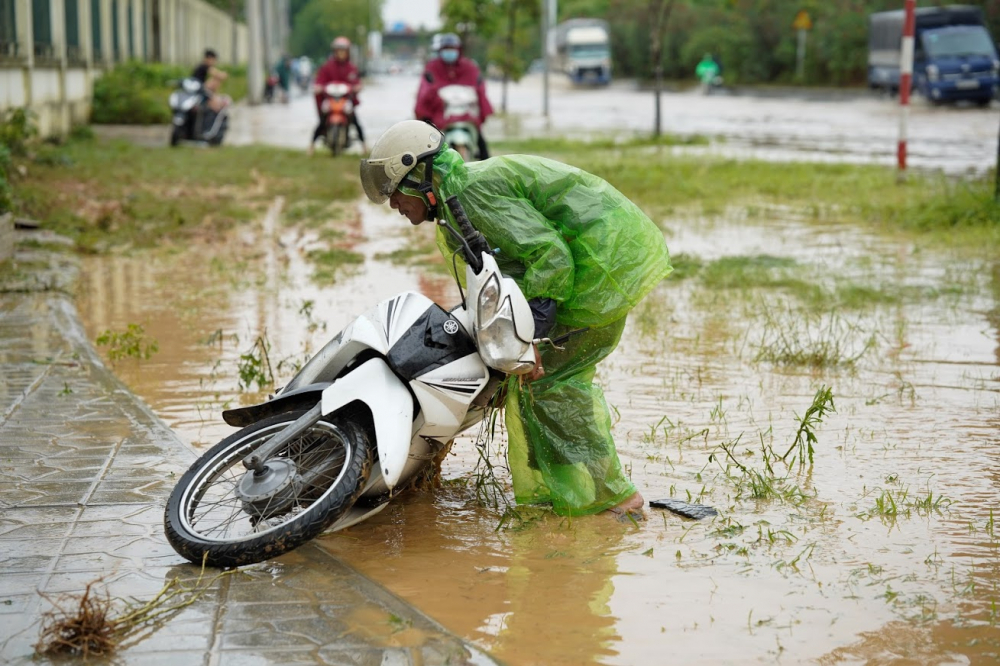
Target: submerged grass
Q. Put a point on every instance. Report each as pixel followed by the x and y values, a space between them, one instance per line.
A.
pixel 812 339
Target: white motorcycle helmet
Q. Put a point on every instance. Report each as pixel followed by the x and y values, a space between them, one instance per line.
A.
pixel 395 154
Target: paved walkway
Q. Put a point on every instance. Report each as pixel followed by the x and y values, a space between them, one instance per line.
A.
pixel 85 469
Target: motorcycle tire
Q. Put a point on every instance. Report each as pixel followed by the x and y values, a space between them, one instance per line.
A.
pixel 337 139
pixel 210 518
pixel 176 135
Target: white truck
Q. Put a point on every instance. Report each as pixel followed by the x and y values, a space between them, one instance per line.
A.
pixel 583 50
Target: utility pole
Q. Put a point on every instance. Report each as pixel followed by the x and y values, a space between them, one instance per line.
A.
pixel 545 59
pixel 905 82
pixel 255 51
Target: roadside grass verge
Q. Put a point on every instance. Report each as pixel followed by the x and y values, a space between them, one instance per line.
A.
pixel 111 194
pixel 944 211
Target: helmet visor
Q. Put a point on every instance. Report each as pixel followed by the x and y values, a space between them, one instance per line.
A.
pixel 375 180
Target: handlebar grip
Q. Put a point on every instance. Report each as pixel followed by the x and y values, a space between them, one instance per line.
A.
pixel 477 243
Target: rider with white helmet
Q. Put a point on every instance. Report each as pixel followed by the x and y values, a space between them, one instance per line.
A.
pixel 584 256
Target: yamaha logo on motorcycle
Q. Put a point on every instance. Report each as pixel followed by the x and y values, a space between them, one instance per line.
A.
pixel 451 327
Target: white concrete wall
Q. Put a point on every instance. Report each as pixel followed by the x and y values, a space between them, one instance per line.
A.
pixel 59 91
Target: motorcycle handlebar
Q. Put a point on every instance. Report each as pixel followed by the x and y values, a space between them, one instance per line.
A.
pixel 472 241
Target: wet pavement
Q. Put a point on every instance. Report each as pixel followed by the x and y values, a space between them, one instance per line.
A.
pixel 85 469
pixel 849 126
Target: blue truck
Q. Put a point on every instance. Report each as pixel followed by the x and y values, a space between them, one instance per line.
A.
pixel 954 56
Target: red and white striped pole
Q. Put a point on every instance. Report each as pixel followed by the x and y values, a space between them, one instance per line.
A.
pixel 905 82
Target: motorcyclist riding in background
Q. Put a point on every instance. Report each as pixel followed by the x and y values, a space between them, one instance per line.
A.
pixel 337 69
pixel 211 79
pixel 450 67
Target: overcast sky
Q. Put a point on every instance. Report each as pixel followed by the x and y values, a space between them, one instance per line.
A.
pixel 415 13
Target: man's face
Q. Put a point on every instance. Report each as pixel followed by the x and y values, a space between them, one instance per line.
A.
pixel 412 208
pixel 341 54
pixel 210 61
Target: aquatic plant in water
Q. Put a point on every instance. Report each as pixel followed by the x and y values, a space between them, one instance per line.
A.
pixel 798 338
pixel 130 343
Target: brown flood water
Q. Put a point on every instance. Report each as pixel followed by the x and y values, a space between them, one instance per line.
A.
pixel 836 578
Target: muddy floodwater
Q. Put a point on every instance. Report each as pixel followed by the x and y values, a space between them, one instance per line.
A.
pixel 881 548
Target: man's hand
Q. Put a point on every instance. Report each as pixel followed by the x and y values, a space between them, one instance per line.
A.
pixel 539 370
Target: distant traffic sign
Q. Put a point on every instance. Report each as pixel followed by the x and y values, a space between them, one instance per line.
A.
pixel 802 21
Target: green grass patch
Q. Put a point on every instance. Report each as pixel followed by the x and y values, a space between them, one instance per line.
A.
pixel 685 266
pixel 107 194
pixel 327 264
pixel 945 211
pixel 543 145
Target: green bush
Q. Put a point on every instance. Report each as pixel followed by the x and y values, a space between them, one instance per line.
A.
pixel 17 127
pixel 136 93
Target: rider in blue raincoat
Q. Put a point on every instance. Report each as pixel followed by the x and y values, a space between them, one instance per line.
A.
pixel 583 254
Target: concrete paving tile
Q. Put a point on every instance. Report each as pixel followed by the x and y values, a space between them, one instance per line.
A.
pixel 15 604
pixel 264 657
pixel 46 494
pixel 26 563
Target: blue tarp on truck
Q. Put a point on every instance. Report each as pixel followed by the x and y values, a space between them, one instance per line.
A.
pixel 954 56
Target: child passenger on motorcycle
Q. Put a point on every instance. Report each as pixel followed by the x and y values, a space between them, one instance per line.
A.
pixel 211 79
pixel 337 69
pixel 583 254
pixel 450 67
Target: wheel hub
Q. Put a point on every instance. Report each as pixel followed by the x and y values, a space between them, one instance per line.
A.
pixel 269 492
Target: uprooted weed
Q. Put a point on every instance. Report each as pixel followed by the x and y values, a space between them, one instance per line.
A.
pixel 773 480
pixel 96 624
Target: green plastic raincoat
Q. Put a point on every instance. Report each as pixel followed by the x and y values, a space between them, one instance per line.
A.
pixel 570 236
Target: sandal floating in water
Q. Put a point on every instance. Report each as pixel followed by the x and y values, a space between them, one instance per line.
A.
pixel 686 509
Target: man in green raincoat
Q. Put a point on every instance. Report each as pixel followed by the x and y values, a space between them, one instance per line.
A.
pixel 583 254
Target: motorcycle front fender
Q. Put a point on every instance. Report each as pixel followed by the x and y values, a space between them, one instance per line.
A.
pixel 391 404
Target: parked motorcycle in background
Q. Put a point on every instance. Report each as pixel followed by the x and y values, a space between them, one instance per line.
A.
pixel 194 121
pixel 461 120
pixel 357 424
pixel 339 109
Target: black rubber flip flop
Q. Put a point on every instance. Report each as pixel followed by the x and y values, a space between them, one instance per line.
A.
pixel 686 509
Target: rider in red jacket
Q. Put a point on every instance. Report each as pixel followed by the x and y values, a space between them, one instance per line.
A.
pixel 338 69
pixel 451 67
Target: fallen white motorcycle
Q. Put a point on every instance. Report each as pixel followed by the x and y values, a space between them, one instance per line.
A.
pixel 367 413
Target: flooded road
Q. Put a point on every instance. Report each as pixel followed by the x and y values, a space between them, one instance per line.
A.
pixel 881 550
pixel 811 125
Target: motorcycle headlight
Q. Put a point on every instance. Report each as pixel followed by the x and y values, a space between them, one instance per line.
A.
pixel 933 73
pixel 499 345
pixel 489 299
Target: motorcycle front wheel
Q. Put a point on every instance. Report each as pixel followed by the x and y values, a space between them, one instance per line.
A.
pixel 226 516
pixel 337 139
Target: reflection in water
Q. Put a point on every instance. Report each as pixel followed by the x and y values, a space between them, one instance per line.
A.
pixel 830 578
pixel 538 595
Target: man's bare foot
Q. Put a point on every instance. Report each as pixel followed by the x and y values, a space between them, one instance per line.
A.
pixel 630 509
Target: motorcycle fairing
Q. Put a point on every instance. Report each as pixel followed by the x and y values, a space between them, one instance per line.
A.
pixel 433 340
pixel 445 393
pixel 375 384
